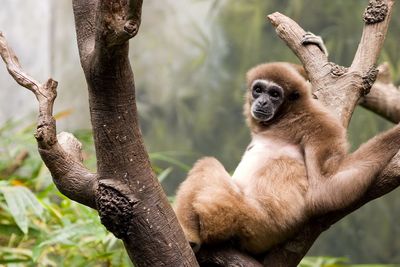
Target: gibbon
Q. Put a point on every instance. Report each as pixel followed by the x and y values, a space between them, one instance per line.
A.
pixel 297 166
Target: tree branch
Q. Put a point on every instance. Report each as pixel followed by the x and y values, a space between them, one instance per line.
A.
pixel 384 97
pixel 225 257
pixel 84 14
pixel 376 17
pixel 70 176
pixel 18 162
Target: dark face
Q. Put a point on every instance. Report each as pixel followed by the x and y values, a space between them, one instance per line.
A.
pixel 267 97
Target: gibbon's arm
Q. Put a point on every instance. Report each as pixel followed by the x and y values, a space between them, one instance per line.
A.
pixel 337 179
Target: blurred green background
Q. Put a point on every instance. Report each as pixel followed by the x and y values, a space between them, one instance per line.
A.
pixel 190 60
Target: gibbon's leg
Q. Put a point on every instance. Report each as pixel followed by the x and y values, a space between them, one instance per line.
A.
pixel 354 174
pixel 211 208
pixel 220 209
pixel 207 178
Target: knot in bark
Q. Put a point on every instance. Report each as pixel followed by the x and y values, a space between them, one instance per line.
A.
pixel 131 27
pixel 337 70
pixel 369 79
pixel 375 12
pixel 115 209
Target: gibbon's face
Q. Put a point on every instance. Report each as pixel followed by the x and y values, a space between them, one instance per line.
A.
pixel 267 97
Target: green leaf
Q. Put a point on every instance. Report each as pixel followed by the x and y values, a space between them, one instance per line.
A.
pixel 66 234
pixel 32 202
pixel 7 261
pixel 17 207
pixel 161 157
pixel 164 174
pixel 21 253
pixel 19 200
pixel 36 252
pixel 9 229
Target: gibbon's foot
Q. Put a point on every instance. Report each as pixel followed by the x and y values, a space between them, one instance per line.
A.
pixel 193 238
pixel 195 246
pixel 310 38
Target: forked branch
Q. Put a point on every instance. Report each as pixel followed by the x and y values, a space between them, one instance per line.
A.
pixel 337 87
pixel 70 176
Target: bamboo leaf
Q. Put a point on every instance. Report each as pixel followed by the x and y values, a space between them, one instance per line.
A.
pixel 16 207
pixel 32 202
pixel 157 156
pixel 19 201
pixel 164 174
pixel 65 235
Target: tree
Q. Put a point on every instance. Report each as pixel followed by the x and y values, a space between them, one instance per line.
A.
pixel 125 192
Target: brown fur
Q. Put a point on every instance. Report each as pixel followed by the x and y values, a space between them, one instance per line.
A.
pixel 297 166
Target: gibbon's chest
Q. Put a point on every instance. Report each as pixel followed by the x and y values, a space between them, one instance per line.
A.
pixel 265 156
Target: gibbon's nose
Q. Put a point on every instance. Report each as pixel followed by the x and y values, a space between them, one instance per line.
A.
pixel 263 103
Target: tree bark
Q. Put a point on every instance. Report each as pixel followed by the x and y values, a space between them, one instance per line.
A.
pixel 125 191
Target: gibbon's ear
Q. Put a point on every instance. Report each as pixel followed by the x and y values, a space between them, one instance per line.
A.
pixel 294 96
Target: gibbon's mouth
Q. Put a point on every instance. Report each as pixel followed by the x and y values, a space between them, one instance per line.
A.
pixel 261 115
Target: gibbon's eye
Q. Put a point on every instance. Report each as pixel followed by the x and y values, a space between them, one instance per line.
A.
pixel 258 90
pixel 274 93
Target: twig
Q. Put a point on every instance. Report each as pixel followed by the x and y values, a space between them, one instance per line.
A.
pixel 16 164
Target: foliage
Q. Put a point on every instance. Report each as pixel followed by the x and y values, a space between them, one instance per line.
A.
pixel 38 225
pixel 335 262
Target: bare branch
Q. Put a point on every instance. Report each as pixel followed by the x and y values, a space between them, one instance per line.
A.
pixel 225 256
pixel 70 176
pixel 71 145
pixel 314 60
pixel 376 17
pixel 322 74
pixel 18 162
pixel 84 13
pixel 14 68
pixel 384 97
pixel 384 100
pixel 68 173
